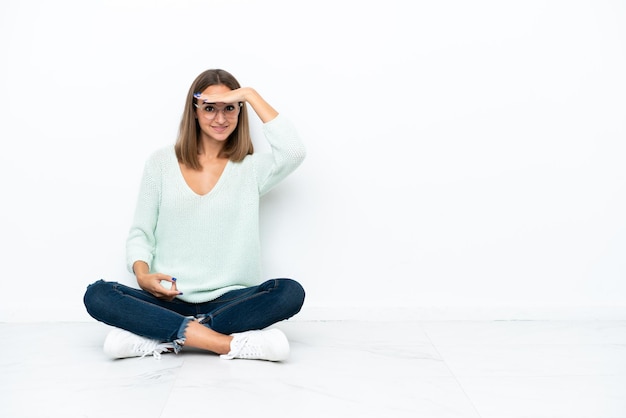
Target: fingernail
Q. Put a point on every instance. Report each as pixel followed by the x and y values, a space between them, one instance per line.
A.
pixel 180 293
pixel 173 279
pixel 196 95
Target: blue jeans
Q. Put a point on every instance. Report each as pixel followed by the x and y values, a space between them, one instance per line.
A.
pixel 239 310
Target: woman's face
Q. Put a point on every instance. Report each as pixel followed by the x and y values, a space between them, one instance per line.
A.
pixel 217 120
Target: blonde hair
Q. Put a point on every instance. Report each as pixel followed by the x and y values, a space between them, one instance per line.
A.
pixel 187 147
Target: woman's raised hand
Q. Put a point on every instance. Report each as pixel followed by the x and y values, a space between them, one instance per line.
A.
pixel 232 96
pixel 244 94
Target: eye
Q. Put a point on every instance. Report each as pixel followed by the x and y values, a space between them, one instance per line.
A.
pixel 208 108
pixel 229 108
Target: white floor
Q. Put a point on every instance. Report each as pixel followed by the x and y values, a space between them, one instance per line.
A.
pixel 336 369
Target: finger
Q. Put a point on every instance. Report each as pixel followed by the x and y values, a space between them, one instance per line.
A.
pixel 229 97
pixel 173 290
pixel 163 293
pixel 170 295
pixel 166 278
pixel 212 98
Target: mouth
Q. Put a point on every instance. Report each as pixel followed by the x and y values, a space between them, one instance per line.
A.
pixel 220 129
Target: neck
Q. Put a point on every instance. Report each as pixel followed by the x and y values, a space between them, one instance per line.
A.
pixel 210 150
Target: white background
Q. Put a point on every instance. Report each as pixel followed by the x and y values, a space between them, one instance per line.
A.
pixel 465 158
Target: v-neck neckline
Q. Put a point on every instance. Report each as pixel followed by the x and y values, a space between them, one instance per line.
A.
pixel 217 184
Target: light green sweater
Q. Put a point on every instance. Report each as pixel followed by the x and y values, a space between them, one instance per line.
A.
pixel 210 243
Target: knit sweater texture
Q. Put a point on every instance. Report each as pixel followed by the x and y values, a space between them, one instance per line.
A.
pixel 209 243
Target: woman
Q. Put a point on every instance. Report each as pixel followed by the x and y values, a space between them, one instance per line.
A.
pixel 194 241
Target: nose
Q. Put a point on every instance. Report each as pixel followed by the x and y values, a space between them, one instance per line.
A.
pixel 220 116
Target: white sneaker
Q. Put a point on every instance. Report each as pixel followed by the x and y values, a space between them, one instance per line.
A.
pixel 269 345
pixel 122 344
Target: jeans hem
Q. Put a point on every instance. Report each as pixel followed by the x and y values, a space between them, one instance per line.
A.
pixel 179 342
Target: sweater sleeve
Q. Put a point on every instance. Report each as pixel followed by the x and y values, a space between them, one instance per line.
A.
pixel 140 243
pixel 287 154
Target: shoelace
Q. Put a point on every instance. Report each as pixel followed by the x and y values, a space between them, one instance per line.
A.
pixel 150 347
pixel 242 350
pixel 247 350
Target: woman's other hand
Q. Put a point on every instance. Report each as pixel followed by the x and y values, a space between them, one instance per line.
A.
pixel 151 282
